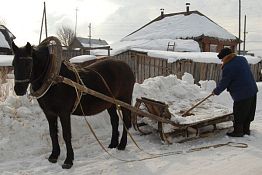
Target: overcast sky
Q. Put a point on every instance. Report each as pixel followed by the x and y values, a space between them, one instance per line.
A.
pixel 113 19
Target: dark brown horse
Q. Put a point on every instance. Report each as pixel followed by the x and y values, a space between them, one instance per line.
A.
pixel 30 67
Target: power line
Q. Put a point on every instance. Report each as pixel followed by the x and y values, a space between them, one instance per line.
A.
pixel 254 41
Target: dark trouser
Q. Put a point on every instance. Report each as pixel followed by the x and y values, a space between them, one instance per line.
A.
pixel 244 110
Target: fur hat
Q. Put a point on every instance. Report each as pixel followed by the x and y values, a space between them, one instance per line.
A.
pixel 224 52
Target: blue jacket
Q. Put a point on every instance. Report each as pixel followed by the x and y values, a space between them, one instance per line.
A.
pixel 237 78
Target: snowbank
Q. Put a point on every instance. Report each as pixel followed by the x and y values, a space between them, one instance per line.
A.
pixel 25 143
pixel 181 95
pixel 6 60
pixel 82 58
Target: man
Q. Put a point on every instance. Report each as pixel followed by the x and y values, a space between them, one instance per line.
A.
pixel 237 78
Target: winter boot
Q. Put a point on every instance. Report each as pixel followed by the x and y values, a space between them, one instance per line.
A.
pixel 238 131
pixel 246 128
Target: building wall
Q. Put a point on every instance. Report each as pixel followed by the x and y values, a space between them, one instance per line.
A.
pixel 207 41
pixel 75 44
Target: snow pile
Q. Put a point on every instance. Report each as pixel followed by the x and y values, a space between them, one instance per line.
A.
pixel 181 95
pixel 23 118
pixel 23 126
pixel 6 60
pixel 25 143
pixel 82 58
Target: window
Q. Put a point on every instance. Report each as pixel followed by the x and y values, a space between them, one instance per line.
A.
pixel 213 48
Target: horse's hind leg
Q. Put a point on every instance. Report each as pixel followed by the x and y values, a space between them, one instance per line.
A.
pixel 52 121
pixel 126 125
pixel 114 123
pixel 66 126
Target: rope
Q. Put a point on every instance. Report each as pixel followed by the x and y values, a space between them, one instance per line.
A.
pixel 152 156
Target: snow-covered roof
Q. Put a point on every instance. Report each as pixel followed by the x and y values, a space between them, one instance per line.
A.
pixel 5 36
pixel 202 57
pixel 182 26
pixel 82 58
pixel 85 42
pixel 3 42
pixel 156 44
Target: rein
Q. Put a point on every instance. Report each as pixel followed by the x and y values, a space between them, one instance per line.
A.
pixel 118 107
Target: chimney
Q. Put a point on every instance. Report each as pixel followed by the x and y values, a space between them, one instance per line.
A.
pixel 162 13
pixel 187 7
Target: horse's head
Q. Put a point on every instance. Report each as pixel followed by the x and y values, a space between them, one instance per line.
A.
pixel 22 63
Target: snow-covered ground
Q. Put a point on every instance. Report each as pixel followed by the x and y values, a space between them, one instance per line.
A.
pixel 25 144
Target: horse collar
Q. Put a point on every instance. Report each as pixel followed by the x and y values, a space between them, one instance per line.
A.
pixel 48 79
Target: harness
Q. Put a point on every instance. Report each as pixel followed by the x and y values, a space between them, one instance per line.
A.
pixel 27 80
pixel 78 80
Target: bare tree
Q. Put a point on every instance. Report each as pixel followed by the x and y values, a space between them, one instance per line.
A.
pixel 2 22
pixel 66 35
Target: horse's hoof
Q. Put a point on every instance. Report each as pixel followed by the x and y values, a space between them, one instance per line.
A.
pixel 52 160
pixel 121 147
pixel 67 166
pixel 112 145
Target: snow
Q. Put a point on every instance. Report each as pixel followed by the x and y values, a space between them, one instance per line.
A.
pixel 6 60
pixel 82 58
pixel 3 42
pixel 181 26
pixel 25 144
pixel 202 57
pixel 156 44
pixel 180 95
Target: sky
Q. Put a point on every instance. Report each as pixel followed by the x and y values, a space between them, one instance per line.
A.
pixel 113 19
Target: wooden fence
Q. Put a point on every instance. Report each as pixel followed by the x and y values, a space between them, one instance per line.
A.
pixel 4 70
pixel 145 67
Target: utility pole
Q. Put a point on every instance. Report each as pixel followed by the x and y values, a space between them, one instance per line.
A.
pixel 245 24
pixel 89 35
pixel 43 19
pixel 76 22
pixel 239 28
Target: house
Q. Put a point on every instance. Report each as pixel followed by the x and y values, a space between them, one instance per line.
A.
pixel 87 44
pixel 6 38
pixel 187 25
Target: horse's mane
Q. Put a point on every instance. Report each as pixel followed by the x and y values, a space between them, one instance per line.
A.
pixel 43 50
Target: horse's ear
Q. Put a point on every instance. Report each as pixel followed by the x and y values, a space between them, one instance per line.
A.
pixel 14 47
pixel 28 47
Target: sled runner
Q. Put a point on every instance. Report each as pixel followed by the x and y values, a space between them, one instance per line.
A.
pixel 161 109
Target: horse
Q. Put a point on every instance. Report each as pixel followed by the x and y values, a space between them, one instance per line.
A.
pixel 31 66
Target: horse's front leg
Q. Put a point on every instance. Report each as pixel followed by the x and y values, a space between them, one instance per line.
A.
pixel 66 126
pixel 53 130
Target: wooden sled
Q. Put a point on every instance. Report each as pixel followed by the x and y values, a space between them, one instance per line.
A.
pixel 156 110
pixel 160 109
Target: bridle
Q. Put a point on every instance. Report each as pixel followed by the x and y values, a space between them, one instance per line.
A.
pixel 27 80
pixel 52 68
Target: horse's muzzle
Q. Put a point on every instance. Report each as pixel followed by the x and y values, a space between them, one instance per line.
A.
pixel 20 89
